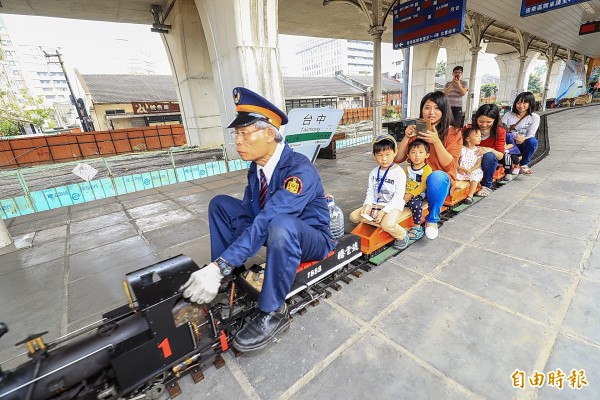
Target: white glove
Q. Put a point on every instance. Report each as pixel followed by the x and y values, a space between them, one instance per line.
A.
pixel 203 285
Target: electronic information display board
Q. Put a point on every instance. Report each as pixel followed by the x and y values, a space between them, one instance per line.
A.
pixel 420 21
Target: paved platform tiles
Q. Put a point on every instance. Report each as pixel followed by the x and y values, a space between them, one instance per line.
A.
pixel 512 283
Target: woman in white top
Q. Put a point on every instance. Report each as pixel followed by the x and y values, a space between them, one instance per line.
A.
pixel 524 123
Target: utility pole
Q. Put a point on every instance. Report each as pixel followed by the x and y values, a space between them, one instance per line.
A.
pixel 86 124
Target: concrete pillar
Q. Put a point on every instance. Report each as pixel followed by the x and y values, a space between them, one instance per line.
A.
pixel 549 64
pixel 423 74
pixel 376 33
pixel 509 66
pixel 521 74
pixel 214 46
pixel 555 77
pixel 5 238
pixel 187 50
pixel 472 77
pixel 406 71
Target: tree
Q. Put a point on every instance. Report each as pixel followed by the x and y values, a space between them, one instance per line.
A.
pixel 440 68
pixel 17 110
pixel 489 89
pixel 14 114
pixel 535 84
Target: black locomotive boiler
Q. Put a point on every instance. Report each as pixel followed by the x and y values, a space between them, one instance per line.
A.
pixel 140 350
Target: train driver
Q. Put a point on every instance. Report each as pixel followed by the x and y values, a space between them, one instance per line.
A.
pixel 284 208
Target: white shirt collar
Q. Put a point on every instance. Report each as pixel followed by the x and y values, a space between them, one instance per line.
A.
pixel 269 167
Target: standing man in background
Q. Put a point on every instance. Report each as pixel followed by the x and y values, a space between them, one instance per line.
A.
pixel 455 90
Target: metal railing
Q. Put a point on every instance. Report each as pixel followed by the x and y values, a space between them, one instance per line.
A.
pixel 45 187
pixel 28 190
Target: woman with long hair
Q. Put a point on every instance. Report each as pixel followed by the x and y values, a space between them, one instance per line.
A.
pixel 523 123
pixel 445 143
pixel 492 146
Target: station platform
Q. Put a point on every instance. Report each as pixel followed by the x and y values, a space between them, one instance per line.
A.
pixel 509 290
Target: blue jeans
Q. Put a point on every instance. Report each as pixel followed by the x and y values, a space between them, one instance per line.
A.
pixel 527 149
pixel 438 187
pixel 489 163
pixel 290 241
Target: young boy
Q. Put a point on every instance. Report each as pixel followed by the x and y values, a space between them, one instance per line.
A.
pixel 416 177
pixel 385 194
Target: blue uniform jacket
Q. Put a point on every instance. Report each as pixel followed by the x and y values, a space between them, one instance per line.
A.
pixel 308 204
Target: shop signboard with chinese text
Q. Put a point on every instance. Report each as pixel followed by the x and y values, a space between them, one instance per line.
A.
pixel 154 107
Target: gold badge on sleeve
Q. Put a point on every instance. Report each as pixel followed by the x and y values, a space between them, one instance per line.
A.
pixel 293 184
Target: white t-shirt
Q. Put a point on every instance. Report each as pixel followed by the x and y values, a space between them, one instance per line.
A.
pixel 527 127
pixel 391 194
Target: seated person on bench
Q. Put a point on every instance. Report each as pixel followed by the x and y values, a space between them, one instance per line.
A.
pixel 385 193
pixel 284 208
pixel 417 172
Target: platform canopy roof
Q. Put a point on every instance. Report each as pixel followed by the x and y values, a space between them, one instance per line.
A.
pixel 343 19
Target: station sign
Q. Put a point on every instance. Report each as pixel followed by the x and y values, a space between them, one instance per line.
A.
pixel 154 107
pixel 531 7
pixel 310 129
pixel 420 21
pixel 589 27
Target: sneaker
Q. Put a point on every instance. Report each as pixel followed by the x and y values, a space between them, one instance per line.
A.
pixel 516 171
pixel 431 231
pixel 509 177
pixel 401 244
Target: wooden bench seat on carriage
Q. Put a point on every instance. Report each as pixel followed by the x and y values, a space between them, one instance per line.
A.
pixel 308 272
pixel 461 189
pixel 372 237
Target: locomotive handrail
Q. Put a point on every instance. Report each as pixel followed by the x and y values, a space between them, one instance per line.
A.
pixel 54 371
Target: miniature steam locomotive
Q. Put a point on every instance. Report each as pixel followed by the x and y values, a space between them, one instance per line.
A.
pixel 140 350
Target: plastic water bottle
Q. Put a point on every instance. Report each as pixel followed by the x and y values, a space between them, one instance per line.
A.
pixel 337 218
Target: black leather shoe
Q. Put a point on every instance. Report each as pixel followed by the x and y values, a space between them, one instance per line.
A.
pixel 261 330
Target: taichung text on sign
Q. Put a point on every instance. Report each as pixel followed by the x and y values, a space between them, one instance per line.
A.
pixel 310 129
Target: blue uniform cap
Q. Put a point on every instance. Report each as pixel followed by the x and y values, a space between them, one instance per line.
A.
pixel 252 107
